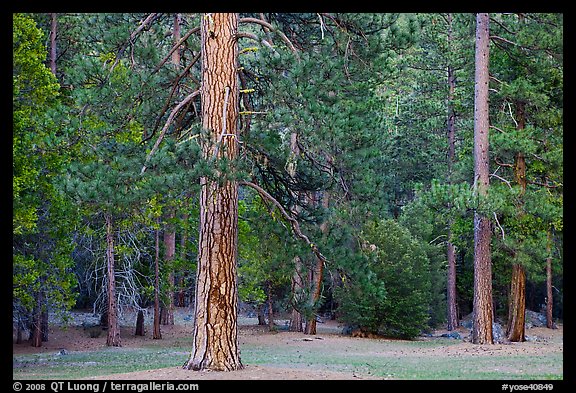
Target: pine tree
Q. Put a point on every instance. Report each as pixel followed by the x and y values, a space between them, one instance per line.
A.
pixel 215 338
pixel 483 313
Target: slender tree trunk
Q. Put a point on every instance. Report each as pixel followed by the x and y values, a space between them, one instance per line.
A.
pixel 113 339
pixel 215 340
pixel 297 284
pixel 453 321
pixel 156 333
pixel 517 305
pixel 19 329
pixel 549 295
pixel 271 325
pixel 176 35
pixel 170 250
pixel 452 314
pixel 181 297
pixel 37 321
pixel 261 316
pixel 482 305
pixel 53 33
pixel 44 323
pixel 297 288
pixel 140 324
pixel 515 329
pixel 317 275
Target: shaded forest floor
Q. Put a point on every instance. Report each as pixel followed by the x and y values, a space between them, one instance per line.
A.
pixel 70 353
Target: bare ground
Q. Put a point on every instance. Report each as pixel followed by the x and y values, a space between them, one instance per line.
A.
pixel 328 338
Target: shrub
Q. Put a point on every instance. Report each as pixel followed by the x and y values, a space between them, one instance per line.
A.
pixel 388 294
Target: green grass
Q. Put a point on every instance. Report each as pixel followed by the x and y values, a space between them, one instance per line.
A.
pixel 386 359
pixel 401 360
pixel 93 363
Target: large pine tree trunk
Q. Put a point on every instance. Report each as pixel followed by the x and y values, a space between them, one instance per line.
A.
pixel 482 304
pixel 113 339
pixel 215 340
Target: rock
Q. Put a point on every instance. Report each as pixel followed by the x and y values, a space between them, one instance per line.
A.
pixel 347 330
pixel 534 319
pixel 497 332
pixel 454 335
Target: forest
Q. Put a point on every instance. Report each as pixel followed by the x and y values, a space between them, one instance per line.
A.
pixel 394 172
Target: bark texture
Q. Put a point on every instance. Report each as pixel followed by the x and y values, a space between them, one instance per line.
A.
pixel 215 340
pixel 482 304
pixel 517 305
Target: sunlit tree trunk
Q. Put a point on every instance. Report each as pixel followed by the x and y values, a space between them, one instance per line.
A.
pixel 215 337
pixel 482 304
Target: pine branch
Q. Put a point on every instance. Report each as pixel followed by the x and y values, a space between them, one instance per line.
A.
pixel 295 225
pixel 254 37
pixel 174 48
pixel 271 28
pixel 167 124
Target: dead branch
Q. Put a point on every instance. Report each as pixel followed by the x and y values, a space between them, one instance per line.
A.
pixel 167 124
pixel 271 28
pixel 175 47
pixel 295 225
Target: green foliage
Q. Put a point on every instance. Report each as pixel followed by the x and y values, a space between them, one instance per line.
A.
pixel 265 250
pixel 391 292
pixel 367 97
pixel 34 90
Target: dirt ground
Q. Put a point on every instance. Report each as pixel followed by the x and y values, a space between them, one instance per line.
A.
pixel 329 335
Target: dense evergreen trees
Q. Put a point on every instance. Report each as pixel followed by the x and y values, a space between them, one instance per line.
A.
pixel 341 145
